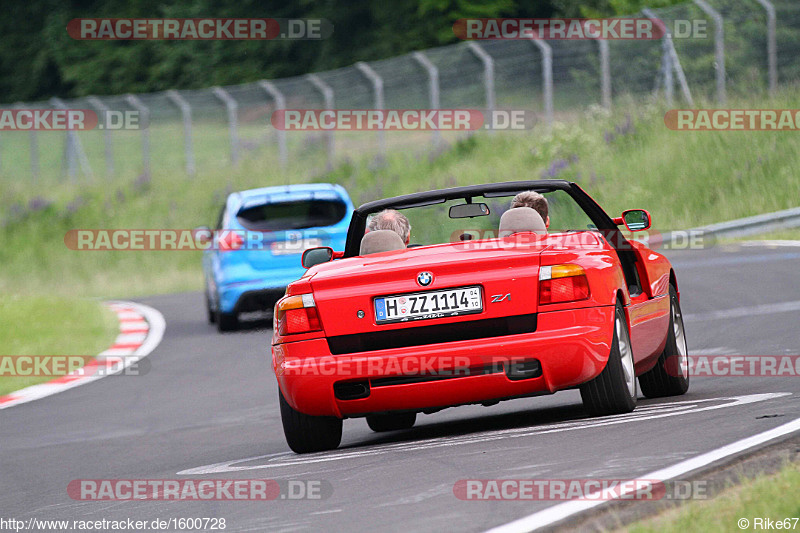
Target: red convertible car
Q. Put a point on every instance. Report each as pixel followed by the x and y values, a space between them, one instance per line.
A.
pixel 478 308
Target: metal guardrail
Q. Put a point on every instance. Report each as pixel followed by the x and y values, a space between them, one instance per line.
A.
pixel 742 227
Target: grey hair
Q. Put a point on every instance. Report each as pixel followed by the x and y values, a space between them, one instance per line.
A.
pixel 392 220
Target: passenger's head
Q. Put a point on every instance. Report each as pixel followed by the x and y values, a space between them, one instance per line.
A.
pixel 391 220
pixel 534 200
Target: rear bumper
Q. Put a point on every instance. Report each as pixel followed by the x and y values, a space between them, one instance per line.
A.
pixel 258 295
pixel 572 347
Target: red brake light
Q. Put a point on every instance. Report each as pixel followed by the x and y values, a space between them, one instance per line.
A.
pixel 296 314
pixel 562 283
pixel 229 241
pixel 299 321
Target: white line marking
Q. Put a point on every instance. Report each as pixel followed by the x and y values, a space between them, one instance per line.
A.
pixel 716 350
pixel 128 315
pixel 130 338
pixel 651 412
pixel 157 326
pixel 565 510
pixel 770 244
pixel 116 351
pixel 744 312
pixel 156 323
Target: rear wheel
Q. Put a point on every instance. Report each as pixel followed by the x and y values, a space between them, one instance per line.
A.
pixel 227 321
pixel 305 434
pixel 391 422
pixel 670 376
pixel 614 390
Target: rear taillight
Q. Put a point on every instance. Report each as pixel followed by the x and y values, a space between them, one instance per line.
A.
pixel 229 241
pixel 296 314
pixel 562 283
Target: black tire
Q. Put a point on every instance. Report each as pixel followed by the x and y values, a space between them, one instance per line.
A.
pixel 210 314
pixel 306 434
pixel 613 392
pixel 391 422
pixel 670 376
pixel 227 321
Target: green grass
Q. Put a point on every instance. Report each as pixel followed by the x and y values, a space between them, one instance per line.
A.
pixel 51 325
pixel 625 159
pixel 766 496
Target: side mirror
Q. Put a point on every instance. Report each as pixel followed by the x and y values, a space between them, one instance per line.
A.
pixel 635 219
pixel 317 256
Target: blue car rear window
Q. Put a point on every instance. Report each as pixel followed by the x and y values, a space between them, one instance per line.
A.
pixel 292 215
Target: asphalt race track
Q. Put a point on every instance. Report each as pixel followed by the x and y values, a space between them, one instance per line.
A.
pixel 208 408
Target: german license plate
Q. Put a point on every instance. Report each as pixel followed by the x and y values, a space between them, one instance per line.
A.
pixel 426 305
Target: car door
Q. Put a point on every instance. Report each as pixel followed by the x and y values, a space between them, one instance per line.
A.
pixel 649 311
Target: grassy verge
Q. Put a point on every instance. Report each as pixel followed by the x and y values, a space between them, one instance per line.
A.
pixel 625 159
pixel 45 325
pixel 767 496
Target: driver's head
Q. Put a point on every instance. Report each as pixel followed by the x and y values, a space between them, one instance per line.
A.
pixel 392 220
pixel 534 200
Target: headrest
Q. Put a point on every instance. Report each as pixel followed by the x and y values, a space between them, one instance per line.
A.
pixel 519 219
pixel 382 240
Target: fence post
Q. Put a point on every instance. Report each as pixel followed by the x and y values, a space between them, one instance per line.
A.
pixel 327 95
pixel 186 116
pixel 605 73
pixel 144 118
pixel 377 88
pixel 34 146
pixel 433 89
pixel 674 60
pixel 772 45
pixel 280 103
pixel 73 150
pixel 669 81
pixel 231 107
pixel 107 147
pixel 719 48
pixel 547 78
pixel 488 76
pixel 34 139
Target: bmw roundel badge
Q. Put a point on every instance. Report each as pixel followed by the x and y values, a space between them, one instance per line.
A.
pixel 424 279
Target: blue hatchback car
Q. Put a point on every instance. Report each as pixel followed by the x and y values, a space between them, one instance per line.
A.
pixel 259 239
